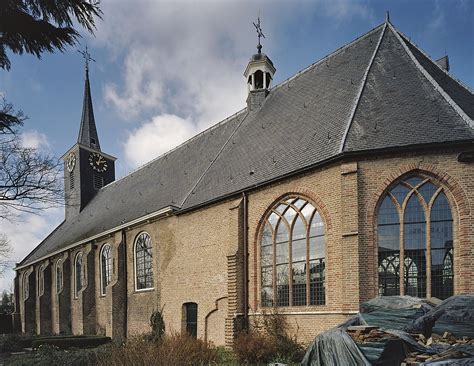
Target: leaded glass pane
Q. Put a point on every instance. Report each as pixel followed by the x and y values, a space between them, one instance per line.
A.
pixel 441 248
pixel 307 211
pixel 415 273
pixel 427 190
pixel 415 225
pixel 267 235
pixel 267 255
pixel 282 285
pixel 298 250
pixel 400 192
pixel 282 253
pixel 299 284
pixel 267 276
pixel 290 215
pixel 389 273
pixel 389 237
pixel 317 225
pixel 273 218
pixel 441 210
pixel 267 296
pixel 299 229
pixel 282 232
pixel 316 247
pixel 143 262
pixel 388 213
pixel 414 181
pixel 317 282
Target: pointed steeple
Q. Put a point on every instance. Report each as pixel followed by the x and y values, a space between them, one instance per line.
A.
pixel 88 131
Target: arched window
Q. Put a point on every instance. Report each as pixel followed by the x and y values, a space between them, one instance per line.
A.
pixel 78 274
pixel 143 262
pixel 26 285
pixel 40 286
pixel 414 205
pixel 105 267
pixel 292 255
pixel 59 276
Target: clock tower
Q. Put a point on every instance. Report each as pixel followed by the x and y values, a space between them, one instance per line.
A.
pixel 86 168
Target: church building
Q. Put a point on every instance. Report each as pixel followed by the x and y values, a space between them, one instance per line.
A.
pixel 352 179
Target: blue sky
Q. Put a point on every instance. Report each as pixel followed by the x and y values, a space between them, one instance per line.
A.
pixel 166 70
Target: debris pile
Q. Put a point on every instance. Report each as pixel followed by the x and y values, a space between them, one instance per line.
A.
pixel 400 330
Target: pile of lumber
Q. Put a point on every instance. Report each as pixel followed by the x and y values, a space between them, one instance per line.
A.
pixel 453 348
pixel 367 334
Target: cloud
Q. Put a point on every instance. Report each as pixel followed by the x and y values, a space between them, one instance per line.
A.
pixel 438 20
pixel 183 61
pixel 156 137
pixel 24 234
pixel 35 140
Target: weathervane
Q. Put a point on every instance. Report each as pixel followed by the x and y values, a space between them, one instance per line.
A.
pixel 259 34
pixel 87 57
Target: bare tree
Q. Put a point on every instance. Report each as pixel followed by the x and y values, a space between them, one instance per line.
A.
pixel 5 252
pixel 29 181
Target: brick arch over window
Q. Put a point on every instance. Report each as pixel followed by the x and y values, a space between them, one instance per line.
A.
pixel 458 204
pixel 290 252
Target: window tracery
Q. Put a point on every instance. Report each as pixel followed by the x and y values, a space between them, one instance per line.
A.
pixel 143 262
pixel 292 255
pixel 408 211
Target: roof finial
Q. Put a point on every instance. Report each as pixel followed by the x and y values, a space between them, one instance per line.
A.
pixel 259 34
pixel 387 17
pixel 87 58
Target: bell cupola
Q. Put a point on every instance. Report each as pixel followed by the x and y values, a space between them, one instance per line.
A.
pixel 259 74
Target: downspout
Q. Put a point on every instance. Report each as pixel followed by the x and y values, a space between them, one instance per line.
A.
pixel 125 278
pixel 245 260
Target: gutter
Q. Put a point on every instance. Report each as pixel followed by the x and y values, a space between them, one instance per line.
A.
pixel 157 214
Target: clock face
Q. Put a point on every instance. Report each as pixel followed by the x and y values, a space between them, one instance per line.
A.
pixel 71 162
pixel 97 162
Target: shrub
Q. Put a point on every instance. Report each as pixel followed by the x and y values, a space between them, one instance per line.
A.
pixel 254 348
pixel 175 349
pixel 14 342
pixel 48 355
pixel 268 341
pixel 157 324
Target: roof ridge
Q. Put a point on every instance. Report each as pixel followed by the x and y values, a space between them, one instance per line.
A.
pixel 213 160
pixel 361 89
pixel 436 86
pixel 210 128
pixel 321 60
pixel 406 38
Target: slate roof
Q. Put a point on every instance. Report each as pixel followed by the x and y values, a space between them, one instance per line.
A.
pixel 87 128
pixel 379 91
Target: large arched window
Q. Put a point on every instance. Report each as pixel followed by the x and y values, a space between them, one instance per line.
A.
pixel 105 267
pixel 78 274
pixel 59 276
pixel 26 285
pixel 292 255
pixel 40 283
pixel 407 211
pixel 143 262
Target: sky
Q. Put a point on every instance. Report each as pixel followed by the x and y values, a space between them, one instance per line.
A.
pixel 166 70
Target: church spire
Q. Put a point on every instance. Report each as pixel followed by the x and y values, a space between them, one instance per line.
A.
pixel 88 131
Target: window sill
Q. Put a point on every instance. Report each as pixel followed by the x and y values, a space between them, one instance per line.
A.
pixel 144 290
